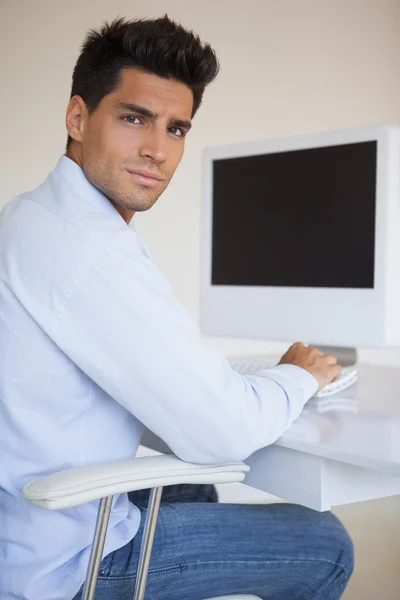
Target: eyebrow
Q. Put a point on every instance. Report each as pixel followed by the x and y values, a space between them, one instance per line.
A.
pixel 146 112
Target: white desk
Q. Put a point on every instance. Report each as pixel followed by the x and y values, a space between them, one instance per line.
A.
pixel 336 457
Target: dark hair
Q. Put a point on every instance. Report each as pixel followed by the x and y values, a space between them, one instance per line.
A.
pixel 160 47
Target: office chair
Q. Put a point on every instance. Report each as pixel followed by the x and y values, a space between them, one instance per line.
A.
pixel 72 487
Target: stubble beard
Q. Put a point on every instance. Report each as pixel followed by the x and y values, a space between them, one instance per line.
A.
pixel 140 199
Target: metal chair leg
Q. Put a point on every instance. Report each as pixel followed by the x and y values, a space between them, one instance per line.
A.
pixel 147 542
pixel 103 515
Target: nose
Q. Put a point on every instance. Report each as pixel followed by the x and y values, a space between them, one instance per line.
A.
pixel 154 145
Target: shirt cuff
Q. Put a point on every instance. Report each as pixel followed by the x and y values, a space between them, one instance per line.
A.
pixel 301 378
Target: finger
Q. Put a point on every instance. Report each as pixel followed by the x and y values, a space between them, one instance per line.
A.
pixel 316 351
pixel 331 359
pixel 336 371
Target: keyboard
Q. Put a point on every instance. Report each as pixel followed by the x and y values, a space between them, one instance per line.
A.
pixel 251 363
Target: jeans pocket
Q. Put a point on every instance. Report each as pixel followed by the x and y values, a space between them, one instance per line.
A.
pixel 106 565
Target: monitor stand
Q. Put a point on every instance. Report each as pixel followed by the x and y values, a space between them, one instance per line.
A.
pixel 346 356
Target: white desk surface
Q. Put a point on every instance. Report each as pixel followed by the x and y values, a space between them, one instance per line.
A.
pixel 347 454
pixel 363 429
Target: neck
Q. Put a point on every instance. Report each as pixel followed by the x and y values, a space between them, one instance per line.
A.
pixel 74 154
pixel 125 213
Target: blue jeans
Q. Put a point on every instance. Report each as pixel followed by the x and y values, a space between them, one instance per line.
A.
pixel 203 549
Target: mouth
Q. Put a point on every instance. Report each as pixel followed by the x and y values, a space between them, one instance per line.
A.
pixel 145 177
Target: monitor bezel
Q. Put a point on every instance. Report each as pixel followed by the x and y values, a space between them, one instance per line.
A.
pixel 312 314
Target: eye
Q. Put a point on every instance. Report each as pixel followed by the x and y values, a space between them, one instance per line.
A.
pixel 130 119
pixel 177 131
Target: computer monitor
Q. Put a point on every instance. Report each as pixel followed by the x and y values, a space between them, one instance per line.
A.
pixel 301 239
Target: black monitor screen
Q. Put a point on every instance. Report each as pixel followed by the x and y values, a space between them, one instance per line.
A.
pixel 302 218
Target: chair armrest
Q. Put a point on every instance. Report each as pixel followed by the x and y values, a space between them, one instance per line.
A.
pixel 72 487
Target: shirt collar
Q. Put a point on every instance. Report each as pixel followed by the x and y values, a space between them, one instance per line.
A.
pixel 71 172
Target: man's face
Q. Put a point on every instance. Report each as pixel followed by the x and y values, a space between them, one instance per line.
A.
pixel 140 127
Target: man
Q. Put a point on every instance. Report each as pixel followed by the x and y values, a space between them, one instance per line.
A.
pixel 94 346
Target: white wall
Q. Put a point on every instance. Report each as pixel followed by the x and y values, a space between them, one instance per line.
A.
pixel 287 67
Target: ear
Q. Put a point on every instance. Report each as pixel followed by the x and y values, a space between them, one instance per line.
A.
pixel 76 117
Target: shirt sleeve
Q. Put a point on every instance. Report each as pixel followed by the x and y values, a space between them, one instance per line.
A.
pixel 125 329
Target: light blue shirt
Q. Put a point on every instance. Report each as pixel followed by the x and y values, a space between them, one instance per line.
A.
pixel 93 346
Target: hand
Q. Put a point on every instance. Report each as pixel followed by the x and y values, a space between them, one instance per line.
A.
pixel 322 366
